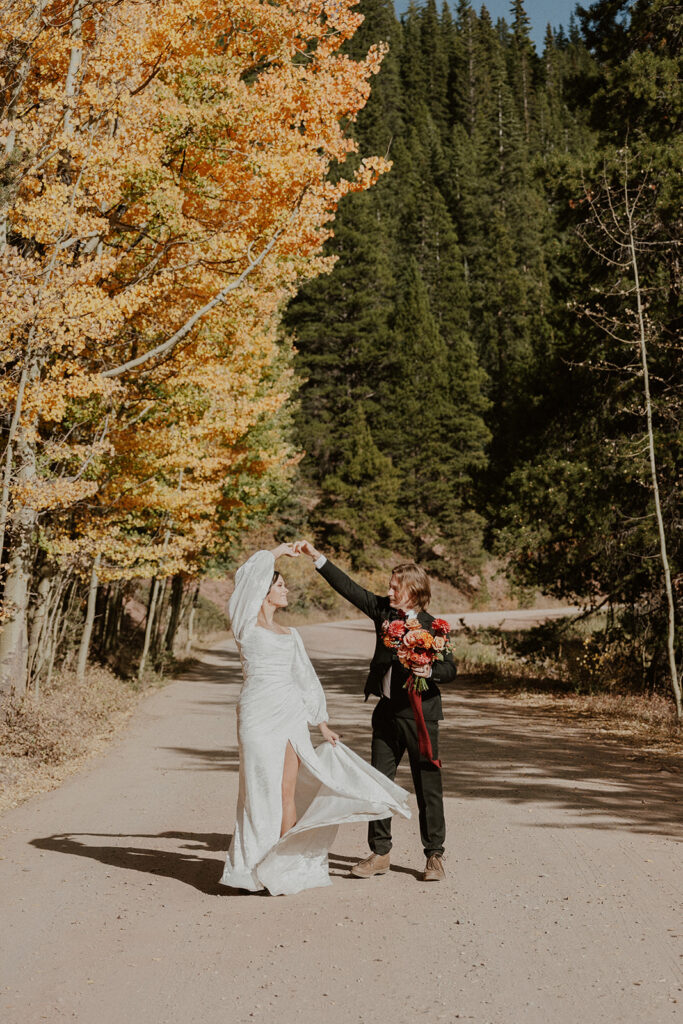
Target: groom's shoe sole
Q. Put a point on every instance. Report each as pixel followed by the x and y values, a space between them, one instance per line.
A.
pixel 375 864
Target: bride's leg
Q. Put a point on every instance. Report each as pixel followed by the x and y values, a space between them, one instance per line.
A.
pixel 289 775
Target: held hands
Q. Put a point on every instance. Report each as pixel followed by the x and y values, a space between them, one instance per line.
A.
pixel 298 547
pixel 304 547
pixel 328 735
pixel 285 549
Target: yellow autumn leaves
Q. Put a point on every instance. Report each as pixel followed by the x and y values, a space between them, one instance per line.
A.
pixel 164 187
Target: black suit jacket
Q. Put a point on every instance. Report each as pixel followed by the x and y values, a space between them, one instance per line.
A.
pixel 379 610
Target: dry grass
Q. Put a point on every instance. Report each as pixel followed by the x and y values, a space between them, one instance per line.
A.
pixel 43 741
pixel 566 689
pixel 645 722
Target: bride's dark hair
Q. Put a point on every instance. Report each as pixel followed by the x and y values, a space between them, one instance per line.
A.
pixel 276 576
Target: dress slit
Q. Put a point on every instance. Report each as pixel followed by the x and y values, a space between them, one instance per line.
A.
pixel 289 746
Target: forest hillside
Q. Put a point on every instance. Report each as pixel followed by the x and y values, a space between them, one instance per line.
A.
pixel 407 285
pixel 474 366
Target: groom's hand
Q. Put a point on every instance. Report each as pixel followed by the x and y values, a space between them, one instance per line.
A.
pixel 305 547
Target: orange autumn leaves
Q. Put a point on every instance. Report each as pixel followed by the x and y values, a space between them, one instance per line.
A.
pixel 164 184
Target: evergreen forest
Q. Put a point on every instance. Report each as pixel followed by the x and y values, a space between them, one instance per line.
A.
pixel 473 365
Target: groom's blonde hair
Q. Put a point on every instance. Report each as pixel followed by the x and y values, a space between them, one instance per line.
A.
pixel 416 581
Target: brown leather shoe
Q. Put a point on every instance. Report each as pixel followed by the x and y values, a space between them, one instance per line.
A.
pixel 375 864
pixel 434 871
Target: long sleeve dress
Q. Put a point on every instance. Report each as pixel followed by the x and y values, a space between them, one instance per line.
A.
pixel 280 696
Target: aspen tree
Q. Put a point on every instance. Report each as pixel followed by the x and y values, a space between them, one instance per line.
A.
pixel 166 187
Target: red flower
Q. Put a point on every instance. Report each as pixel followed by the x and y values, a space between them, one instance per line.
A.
pixel 411 658
pixel 441 627
pixel 392 632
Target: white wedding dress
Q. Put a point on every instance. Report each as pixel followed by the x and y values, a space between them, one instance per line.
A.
pixel 280 696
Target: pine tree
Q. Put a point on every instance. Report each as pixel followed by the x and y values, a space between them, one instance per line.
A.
pixel 434 59
pixel 428 438
pixel 464 71
pixel 341 322
pixel 523 62
pixel 580 508
pixel 359 506
pixel 341 327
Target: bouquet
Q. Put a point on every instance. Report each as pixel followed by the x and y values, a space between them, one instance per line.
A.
pixel 416 648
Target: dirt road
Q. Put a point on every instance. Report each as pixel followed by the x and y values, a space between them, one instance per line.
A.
pixel 562 902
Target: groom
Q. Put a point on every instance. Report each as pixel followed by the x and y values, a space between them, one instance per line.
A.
pixel 394 725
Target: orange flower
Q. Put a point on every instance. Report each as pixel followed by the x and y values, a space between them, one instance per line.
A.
pixel 419 638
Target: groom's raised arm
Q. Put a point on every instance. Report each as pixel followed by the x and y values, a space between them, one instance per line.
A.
pixel 364 600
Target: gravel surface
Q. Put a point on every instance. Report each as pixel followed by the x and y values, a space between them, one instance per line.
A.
pixel 562 903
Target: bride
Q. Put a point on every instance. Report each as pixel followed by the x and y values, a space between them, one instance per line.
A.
pixel 292 797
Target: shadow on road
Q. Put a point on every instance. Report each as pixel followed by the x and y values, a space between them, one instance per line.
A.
pixel 209 760
pixel 492 750
pixel 191 868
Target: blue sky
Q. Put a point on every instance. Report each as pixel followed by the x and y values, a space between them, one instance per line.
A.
pixel 540 13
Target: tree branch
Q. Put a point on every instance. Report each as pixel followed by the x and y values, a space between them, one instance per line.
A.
pixel 170 343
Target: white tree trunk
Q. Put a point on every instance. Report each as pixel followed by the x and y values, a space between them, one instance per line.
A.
pixel 10 114
pixel 13 638
pixel 671 613
pixel 158 631
pixel 53 639
pixel 148 627
pixel 89 620
pixel 39 622
pixel 190 621
pixel 9 451
pixel 75 61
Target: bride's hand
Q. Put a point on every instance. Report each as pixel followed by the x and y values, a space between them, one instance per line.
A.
pixel 328 735
pixel 305 547
pixel 285 549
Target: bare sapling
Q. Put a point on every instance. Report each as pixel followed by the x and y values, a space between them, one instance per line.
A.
pixel 624 230
pixel 666 568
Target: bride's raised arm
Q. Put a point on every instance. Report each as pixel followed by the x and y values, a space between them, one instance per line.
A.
pixel 253 580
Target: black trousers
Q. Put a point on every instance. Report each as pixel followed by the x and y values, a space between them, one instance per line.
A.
pixel 391 737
